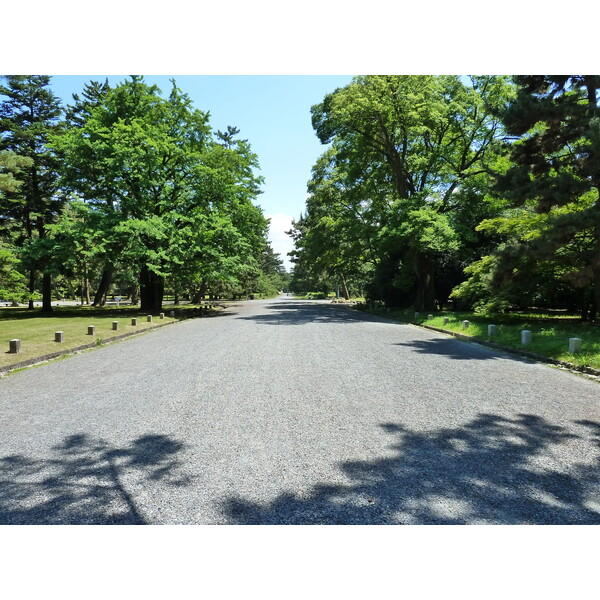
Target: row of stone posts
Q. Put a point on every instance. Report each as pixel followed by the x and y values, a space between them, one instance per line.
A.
pixel 574 343
pixel 14 345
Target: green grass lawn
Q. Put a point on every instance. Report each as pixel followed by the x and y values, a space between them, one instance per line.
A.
pixel 550 333
pixel 36 332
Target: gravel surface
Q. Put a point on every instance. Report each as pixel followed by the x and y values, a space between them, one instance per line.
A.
pixel 301 412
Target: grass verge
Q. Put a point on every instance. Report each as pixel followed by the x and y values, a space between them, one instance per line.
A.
pixel 36 331
pixel 550 334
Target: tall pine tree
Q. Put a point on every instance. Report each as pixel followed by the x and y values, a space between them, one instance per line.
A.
pixel 553 184
pixel 29 114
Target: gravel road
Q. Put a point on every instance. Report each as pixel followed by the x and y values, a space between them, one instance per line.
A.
pixel 298 412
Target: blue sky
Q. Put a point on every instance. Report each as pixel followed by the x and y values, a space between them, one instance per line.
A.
pixel 272 113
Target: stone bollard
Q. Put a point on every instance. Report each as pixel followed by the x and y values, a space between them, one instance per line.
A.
pixel 134 321
pixel 91 330
pixel 59 336
pixel 162 315
pixel 574 345
pixel 446 320
pixel 14 346
pixel 172 314
pixel 466 324
pixel 149 318
pixel 115 325
pixel 429 316
pixel 491 330
pixel 417 315
pixel 525 337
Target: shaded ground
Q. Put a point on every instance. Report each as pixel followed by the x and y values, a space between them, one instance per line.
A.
pixel 81 482
pixel 483 472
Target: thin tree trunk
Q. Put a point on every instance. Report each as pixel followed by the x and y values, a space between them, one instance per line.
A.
pixel 595 296
pixel 86 285
pixel 425 272
pixel 31 287
pixel 46 292
pixel 346 293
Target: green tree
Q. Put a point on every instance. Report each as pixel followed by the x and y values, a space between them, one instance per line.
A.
pixel 28 117
pixel 11 165
pixel 176 204
pixel 334 238
pixel 551 226
pixel 93 95
pixel 12 282
pixel 404 148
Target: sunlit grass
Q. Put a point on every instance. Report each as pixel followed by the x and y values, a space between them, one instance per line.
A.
pixel 37 332
pixel 550 335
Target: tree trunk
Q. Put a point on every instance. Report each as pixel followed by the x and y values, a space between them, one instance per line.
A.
pixel 151 291
pixel 86 286
pixel 595 295
pixel 105 281
pixel 198 296
pixel 203 288
pixel 134 293
pixel 46 292
pixel 31 287
pixel 425 272
pixel 596 259
pixel 346 293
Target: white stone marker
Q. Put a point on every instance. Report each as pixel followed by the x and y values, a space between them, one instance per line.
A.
pixel 172 314
pixel 134 321
pixel 59 336
pixel 491 330
pixel 91 330
pixel 446 320
pixel 525 337
pixel 574 345
pixel 149 318
pixel 466 324
pixel 417 315
pixel 162 315
pixel 115 325
pixel 430 316
pixel 14 346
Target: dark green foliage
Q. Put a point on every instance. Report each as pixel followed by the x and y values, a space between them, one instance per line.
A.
pixel 29 116
pixel 551 228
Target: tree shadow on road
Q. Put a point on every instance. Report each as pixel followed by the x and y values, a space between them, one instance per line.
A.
pixel 491 470
pixel 301 313
pixel 82 481
pixel 457 349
